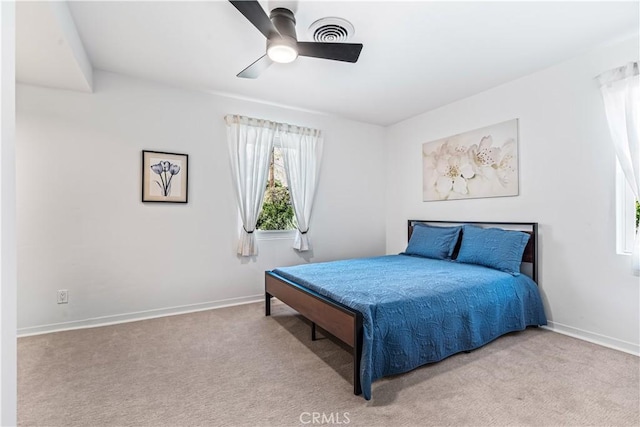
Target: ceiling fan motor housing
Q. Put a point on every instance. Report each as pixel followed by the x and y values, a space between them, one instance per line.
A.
pixel 285 22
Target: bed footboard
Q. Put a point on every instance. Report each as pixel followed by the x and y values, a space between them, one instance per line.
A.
pixel 333 317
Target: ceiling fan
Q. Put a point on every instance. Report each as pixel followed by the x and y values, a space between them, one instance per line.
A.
pixel 282 44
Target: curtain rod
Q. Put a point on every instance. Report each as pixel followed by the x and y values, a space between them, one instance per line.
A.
pixel 236 118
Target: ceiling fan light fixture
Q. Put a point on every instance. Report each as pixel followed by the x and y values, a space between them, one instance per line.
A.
pixel 282 53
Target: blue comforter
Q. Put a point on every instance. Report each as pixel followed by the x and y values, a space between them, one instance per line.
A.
pixel 419 310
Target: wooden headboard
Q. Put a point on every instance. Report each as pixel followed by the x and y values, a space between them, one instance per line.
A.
pixel 530 254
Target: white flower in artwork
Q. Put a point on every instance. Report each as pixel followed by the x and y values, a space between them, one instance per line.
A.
pixel 483 154
pixel 485 157
pixel 494 165
pixel 454 171
pixel 508 163
pixel 452 168
pixel 157 168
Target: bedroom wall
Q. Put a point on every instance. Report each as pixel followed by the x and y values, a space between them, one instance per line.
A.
pixel 567 184
pixel 82 227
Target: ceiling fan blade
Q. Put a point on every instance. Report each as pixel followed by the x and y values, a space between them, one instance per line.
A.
pixel 255 69
pixel 347 52
pixel 257 16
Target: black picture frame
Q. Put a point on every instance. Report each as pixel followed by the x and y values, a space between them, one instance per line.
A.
pixel 165 177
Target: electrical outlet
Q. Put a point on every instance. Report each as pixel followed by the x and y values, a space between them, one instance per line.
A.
pixel 63 296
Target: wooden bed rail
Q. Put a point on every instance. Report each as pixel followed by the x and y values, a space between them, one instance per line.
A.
pixel 339 320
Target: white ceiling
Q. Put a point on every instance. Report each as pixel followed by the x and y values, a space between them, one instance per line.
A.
pixel 417 56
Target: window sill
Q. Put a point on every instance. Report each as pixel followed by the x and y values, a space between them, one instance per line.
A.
pixel 275 234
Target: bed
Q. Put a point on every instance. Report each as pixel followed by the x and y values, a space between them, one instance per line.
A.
pixel 398 312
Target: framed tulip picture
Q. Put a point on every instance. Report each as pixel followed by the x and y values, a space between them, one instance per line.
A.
pixel 475 164
pixel 164 177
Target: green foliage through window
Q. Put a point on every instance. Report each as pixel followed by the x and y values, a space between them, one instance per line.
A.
pixel 277 212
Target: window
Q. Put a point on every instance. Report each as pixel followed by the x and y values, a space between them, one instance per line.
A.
pixel 277 213
pixel 251 148
pixel 628 214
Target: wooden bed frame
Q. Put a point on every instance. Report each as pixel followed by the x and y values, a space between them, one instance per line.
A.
pixel 345 323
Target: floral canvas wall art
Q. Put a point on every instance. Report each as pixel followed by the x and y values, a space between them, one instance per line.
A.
pixel 474 164
pixel 164 177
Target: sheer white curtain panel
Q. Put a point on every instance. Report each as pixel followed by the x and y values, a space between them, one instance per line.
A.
pixel 250 145
pixel 620 90
pixel 302 154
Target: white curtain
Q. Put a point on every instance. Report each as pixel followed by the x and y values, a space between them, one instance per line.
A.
pixel 250 145
pixel 620 89
pixel 302 153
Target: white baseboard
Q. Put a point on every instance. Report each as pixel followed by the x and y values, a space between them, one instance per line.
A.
pixel 603 340
pixel 135 316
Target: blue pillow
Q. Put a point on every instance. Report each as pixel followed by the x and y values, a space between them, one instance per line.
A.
pixel 493 247
pixel 433 242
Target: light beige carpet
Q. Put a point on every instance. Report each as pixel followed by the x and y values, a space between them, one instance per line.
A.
pixel 234 367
